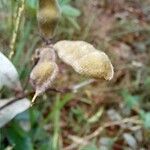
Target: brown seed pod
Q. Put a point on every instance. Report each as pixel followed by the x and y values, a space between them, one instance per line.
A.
pixel 85 59
pixel 48 16
pixel 45 71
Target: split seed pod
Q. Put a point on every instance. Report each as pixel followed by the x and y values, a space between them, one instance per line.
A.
pixel 48 16
pixel 45 71
pixel 85 59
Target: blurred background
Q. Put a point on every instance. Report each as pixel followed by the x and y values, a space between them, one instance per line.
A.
pixel 103 115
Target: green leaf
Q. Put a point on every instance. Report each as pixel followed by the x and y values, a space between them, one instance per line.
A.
pixel 33 115
pixel 130 100
pixel 59 106
pixel 74 23
pixel 68 10
pixel 64 2
pixel 90 147
pixel 19 138
pixel 32 5
pixel 146 118
pixel 65 100
pixel 147 82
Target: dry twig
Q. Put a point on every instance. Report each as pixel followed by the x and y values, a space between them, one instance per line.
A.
pixel 71 89
pixel 78 141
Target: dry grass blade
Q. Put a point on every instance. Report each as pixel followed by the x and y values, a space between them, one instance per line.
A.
pixel 15 32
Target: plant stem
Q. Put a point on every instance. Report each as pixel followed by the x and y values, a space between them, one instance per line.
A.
pixel 56 121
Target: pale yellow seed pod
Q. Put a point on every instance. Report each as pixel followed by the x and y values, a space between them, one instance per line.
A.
pixel 85 59
pixel 45 71
pixel 43 75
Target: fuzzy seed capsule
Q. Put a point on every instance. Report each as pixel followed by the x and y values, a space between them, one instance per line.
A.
pixel 85 59
pixel 43 75
pixel 45 71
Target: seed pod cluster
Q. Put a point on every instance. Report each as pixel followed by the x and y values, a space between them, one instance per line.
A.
pixel 85 59
pixel 45 71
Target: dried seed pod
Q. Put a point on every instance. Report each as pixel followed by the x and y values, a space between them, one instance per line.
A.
pixel 45 71
pixel 43 75
pixel 48 16
pixel 85 59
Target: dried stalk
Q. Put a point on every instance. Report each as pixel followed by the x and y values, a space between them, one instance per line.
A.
pixel 82 141
pixel 72 89
pixel 16 28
